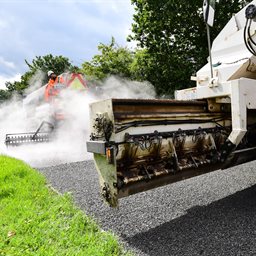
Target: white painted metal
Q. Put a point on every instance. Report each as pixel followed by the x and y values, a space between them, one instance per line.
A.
pixel 243 95
pixel 229 50
pixel 234 76
pixel 209 10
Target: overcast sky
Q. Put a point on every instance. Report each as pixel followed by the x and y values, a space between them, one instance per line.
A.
pixel 72 28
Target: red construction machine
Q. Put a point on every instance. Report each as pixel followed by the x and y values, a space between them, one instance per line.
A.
pixel 55 113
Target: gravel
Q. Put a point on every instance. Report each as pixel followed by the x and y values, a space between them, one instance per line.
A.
pixel 213 214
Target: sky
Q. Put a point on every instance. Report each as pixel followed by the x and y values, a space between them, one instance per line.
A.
pixel 71 28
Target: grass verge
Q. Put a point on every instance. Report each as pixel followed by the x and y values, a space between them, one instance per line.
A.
pixel 34 220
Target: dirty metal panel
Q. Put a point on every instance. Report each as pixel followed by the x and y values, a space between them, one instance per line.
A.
pixel 108 179
pixel 155 142
pixel 125 118
pixel 162 180
pixel 100 110
pixel 189 164
pixel 98 147
pixel 157 106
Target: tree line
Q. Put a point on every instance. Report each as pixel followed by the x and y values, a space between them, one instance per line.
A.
pixel 171 46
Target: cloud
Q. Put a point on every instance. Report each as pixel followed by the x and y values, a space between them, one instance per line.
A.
pixel 117 6
pixel 4 79
pixel 71 28
pixel 6 63
pixel 3 24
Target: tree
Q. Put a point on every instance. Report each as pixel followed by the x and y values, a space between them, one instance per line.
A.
pixel 174 34
pixel 120 61
pixel 58 64
pixel 4 95
pixel 142 67
pixel 112 60
pixel 19 86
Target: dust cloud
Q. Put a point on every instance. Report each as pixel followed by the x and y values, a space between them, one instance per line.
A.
pixel 69 141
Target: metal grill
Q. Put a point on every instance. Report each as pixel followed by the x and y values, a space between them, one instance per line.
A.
pixel 26 138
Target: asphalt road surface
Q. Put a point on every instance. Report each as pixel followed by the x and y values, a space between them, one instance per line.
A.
pixel 213 214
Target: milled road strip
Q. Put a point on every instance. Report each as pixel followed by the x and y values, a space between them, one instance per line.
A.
pixel 213 214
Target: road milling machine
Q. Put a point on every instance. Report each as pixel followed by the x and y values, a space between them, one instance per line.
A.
pixel 143 144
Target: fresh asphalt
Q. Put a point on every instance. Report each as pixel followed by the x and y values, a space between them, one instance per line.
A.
pixel 213 214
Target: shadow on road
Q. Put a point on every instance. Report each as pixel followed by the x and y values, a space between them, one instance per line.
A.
pixel 224 227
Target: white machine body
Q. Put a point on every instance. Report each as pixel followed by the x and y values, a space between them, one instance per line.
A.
pixel 234 74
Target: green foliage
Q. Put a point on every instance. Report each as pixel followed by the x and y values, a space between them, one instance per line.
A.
pixel 112 60
pixel 34 220
pixel 142 66
pixel 58 64
pixel 19 86
pixel 4 95
pixel 174 34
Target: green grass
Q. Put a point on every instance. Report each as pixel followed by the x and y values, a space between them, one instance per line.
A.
pixel 34 220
